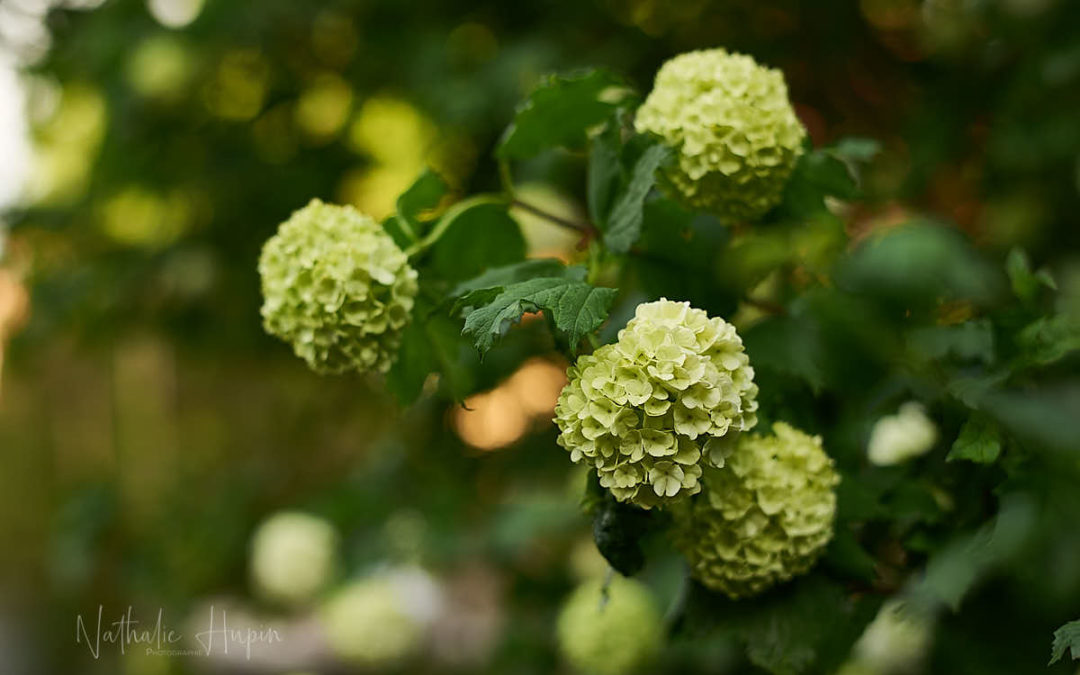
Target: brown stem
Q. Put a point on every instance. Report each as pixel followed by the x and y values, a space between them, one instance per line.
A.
pixel 558 220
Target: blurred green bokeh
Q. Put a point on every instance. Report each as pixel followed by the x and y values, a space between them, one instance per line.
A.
pixel 148 425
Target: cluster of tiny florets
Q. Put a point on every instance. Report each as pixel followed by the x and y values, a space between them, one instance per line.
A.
pixel 736 134
pixel 612 630
pixel 648 411
pixel 337 288
pixel 765 517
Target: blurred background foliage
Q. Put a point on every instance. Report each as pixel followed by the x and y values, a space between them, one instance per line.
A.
pixel 147 424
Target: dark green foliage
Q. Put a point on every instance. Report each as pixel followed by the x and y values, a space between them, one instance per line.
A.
pixel 849 299
pixel 474 236
pixel 979 441
pixel 576 307
pixel 623 225
pixel 918 263
pixel 618 530
pixel 818 174
pixel 432 344
pixel 806 626
pixel 1066 638
pixel 604 172
pixel 557 113
pixel 417 203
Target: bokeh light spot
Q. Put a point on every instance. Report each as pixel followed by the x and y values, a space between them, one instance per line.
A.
pixel 175 13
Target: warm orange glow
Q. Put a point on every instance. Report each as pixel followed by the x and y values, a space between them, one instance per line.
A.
pixel 502 416
pixel 491 420
pixel 537 385
pixel 14 308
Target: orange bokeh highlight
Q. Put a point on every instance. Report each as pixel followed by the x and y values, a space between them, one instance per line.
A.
pixel 499 418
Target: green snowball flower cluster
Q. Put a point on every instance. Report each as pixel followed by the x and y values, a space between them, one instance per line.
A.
pixel 366 623
pixel 648 411
pixel 336 287
pixel 736 134
pixel 612 634
pixel 767 515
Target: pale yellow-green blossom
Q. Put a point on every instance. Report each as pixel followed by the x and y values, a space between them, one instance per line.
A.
pixel 896 641
pixel 734 129
pixel 337 288
pixel 612 633
pixel 368 623
pixel 898 438
pixel 293 557
pixel 651 410
pixel 765 517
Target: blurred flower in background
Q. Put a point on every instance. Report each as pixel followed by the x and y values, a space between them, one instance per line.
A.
pixel 610 627
pixel 175 13
pixel 151 434
pixel 901 437
pixel 382 619
pixel 294 556
pixel 895 643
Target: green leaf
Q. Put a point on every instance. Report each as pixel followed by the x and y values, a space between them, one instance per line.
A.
pixel 1044 417
pixel 558 113
pixel 400 232
pixel 818 174
pixel 861 496
pixel 954 570
pixel 788 344
pixel 848 557
pixel 825 171
pixel 979 441
pixel 624 226
pixel 498 277
pixel 856 149
pixel 430 344
pixel 920 263
pixel 413 365
pixel 576 308
pixel 1026 283
pixel 603 174
pixel 1066 638
pixel 676 256
pixel 968 341
pixel 1050 339
pixel 416 205
pixel 783 629
pixel 474 236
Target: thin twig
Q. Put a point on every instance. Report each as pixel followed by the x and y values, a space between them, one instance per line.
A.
pixel 558 220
